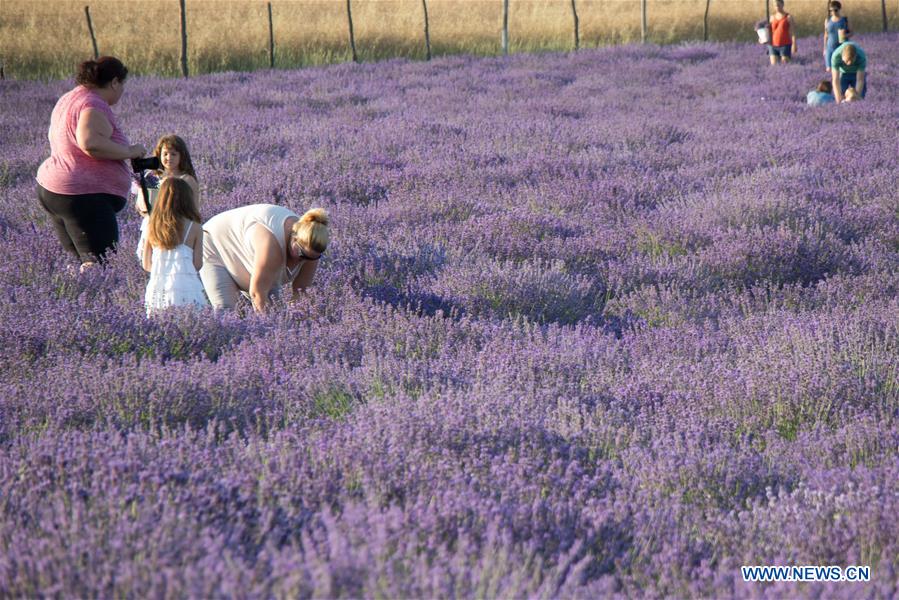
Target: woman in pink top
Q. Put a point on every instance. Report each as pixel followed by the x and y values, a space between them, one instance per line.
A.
pixel 85 181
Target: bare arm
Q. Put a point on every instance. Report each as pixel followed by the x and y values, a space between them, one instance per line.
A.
pixel 304 277
pixel 147 261
pixel 93 135
pixel 140 202
pixel 198 246
pixel 267 260
pixel 195 186
pixel 860 82
pixel 142 239
pixel 835 81
pixel 792 33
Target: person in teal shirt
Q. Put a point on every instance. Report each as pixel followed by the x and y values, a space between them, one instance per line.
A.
pixel 848 63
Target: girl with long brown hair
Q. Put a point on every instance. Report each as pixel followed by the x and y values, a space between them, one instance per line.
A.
pixel 175 161
pixel 173 253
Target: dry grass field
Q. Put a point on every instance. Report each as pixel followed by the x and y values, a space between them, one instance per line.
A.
pixel 46 38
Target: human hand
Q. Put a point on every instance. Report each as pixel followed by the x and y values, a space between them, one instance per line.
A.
pixel 140 204
pixel 136 150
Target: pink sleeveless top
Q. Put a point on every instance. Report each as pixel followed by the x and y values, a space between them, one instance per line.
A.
pixel 69 171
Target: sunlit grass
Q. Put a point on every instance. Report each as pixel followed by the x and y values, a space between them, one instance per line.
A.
pixel 48 38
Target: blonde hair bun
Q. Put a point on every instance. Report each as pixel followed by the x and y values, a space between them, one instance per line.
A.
pixel 315 215
pixel 312 229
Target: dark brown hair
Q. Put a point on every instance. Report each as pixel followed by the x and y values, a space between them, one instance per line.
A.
pixel 834 5
pixel 100 72
pixel 825 86
pixel 176 143
pixel 174 203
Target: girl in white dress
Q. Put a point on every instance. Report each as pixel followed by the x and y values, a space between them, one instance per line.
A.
pixel 175 160
pixel 173 253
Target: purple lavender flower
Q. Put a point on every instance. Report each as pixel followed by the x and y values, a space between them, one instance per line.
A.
pixel 571 338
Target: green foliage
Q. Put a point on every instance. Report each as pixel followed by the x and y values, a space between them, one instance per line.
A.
pixel 333 403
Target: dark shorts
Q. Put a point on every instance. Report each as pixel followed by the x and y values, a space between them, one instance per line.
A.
pixel 848 80
pixel 780 51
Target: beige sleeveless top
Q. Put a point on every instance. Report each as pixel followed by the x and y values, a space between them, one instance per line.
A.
pixel 226 240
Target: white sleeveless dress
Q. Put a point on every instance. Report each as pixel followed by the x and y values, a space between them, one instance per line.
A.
pixel 173 279
pixel 141 205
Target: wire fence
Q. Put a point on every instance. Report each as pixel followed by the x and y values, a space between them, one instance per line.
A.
pixel 715 14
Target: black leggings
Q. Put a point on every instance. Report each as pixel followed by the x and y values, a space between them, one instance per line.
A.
pixel 85 223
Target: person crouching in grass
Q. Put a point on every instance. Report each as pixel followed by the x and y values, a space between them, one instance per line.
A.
pixel 848 65
pixel 823 94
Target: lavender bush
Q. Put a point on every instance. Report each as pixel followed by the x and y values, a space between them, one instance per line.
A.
pixel 608 323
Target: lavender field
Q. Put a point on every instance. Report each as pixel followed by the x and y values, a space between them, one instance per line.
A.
pixel 608 323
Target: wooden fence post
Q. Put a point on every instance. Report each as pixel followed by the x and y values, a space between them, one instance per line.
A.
pixel 271 39
pixel 349 16
pixel 90 29
pixel 705 22
pixel 505 26
pixel 767 12
pixel 643 27
pixel 883 12
pixel 183 39
pixel 577 35
pixel 424 5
